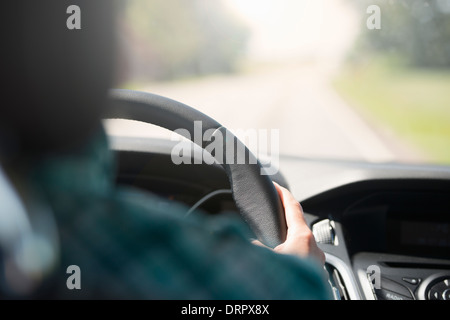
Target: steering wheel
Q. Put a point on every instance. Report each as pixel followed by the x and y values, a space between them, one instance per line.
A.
pixel 254 194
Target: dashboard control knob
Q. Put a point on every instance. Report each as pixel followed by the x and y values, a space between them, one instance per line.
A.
pixel 440 290
pixel 446 294
pixel 324 233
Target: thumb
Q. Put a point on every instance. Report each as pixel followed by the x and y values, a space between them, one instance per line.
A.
pixel 259 243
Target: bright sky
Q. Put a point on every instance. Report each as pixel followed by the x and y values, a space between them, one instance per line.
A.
pixel 291 28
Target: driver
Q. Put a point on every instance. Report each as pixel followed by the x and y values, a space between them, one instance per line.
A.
pixel 123 241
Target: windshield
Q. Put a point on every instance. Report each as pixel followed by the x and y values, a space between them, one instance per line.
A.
pixel 336 79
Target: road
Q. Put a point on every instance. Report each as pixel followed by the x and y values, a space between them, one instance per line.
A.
pixel 297 99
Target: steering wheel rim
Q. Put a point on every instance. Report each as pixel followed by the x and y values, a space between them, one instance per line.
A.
pixel 254 194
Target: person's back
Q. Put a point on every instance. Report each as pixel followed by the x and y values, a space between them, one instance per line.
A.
pixel 125 246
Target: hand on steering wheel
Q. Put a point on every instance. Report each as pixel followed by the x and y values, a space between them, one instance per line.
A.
pixel 300 239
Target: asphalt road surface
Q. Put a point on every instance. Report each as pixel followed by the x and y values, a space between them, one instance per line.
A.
pixel 298 100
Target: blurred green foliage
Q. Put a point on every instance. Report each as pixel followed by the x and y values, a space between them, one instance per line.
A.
pixel 418 31
pixel 181 38
pixel 398 77
pixel 411 103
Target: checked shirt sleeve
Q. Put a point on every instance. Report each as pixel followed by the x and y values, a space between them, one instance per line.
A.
pixel 133 245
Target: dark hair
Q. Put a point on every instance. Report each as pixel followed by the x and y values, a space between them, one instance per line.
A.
pixel 55 79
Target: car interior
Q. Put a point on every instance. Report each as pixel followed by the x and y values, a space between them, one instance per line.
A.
pixel 384 227
pixel 362 215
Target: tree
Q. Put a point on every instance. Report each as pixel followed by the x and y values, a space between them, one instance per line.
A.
pixel 416 30
pixel 176 38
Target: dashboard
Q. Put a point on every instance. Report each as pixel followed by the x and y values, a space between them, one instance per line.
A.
pixel 392 237
pixel 384 228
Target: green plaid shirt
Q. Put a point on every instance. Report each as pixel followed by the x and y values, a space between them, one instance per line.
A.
pixel 129 246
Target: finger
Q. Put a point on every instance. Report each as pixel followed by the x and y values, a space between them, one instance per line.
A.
pixel 292 209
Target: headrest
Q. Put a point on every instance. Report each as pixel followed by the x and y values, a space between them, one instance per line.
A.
pixel 57 63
